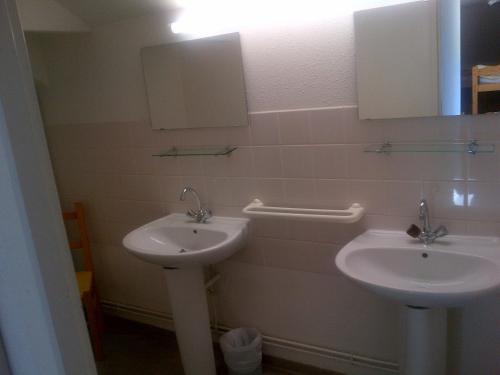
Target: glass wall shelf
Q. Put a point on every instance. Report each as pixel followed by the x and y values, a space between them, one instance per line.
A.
pixel 472 147
pixel 200 151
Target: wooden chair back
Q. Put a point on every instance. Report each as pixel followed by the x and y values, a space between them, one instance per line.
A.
pixel 83 242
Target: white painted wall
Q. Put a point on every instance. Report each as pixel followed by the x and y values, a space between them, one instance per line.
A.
pixel 299 66
pixel 48 16
pixel 42 324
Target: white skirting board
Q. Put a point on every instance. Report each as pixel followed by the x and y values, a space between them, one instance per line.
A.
pixel 343 362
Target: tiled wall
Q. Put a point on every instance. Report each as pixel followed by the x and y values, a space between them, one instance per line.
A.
pixel 285 281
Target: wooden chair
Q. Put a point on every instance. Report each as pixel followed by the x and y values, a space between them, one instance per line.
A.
pixel 479 71
pixel 86 281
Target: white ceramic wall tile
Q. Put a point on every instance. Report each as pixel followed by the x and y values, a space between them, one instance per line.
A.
pixel 483 228
pixel 447 199
pixel 298 255
pixel 403 166
pixel 140 135
pixel 235 136
pixel 240 163
pixel 219 191
pixel 412 129
pixel 358 131
pixel 171 187
pixel 452 128
pixel 212 137
pixel 270 191
pixel 138 212
pixel 139 187
pixel 100 160
pixel 191 166
pixel 145 163
pixel 112 233
pixel 483 201
pixel 364 165
pixel 310 158
pixel 484 167
pixel 243 191
pixel 403 197
pixel 216 166
pixel 294 127
pixel 330 161
pixel 169 166
pixel 68 158
pixel 297 161
pixel 300 192
pixel 484 128
pixel 453 226
pixel 104 185
pixel 74 184
pixel 251 253
pixel 334 194
pixel 264 129
pixel 267 162
pixel 444 166
pixel 188 137
pixel 386 222
pixel 272 228
pixel 370 194
pixel 327 126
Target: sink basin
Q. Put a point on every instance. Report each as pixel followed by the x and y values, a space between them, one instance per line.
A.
pixel 176 240
pixel 447 273
pixel 182 247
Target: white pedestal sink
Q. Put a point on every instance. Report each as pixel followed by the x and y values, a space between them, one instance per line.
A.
pixel 427 279
pixel 182 247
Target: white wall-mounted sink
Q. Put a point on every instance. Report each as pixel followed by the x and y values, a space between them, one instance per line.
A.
pixel 182 247
pixel 449 272
pixel 452 271
pixel 178 241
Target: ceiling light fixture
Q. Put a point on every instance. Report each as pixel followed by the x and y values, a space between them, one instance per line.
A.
pixel 203 17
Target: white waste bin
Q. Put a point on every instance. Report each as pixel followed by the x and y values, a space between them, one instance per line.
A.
pixel 242 349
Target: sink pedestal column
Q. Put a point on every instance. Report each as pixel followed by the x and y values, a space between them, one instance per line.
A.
pixel 188 300
pixel 424 349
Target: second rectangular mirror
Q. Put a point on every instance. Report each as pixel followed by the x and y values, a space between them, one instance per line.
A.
pixel 428 58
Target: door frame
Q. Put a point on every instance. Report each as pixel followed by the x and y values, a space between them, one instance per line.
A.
pixel 42 325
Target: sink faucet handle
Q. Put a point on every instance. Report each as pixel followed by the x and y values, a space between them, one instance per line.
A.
pixel 414 231
pixel 191 213
pixel 440 231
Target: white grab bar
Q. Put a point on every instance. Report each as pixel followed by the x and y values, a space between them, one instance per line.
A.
pixel 257 209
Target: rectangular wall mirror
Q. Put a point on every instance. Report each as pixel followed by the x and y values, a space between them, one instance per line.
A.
pixel 196 84
pixel 428 58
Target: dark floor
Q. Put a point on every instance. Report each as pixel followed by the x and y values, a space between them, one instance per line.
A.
pixel 136 349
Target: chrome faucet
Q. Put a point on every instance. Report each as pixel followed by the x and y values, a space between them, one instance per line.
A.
pixel 423 215
pixel 201 214
pixel 427 235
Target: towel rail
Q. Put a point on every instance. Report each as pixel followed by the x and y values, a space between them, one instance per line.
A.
pixel 257 209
